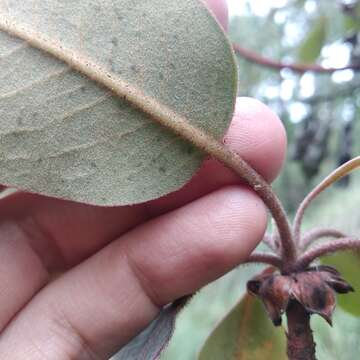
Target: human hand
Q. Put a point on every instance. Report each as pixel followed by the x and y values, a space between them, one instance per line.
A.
pixel 79 281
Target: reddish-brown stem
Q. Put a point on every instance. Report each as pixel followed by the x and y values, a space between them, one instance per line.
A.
pixel 317 234
pixel 300 341
pixel 254 57
pixel 300 214
pixel 341 244
pixel 263 258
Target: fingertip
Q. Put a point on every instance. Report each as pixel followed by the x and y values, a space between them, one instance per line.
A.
pixel 220 10
pixel 258 134
pixel 238 226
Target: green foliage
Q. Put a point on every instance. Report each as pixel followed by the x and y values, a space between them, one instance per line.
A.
pixel 351 24
pixel 352 21
pixel 207 307
pixel 65 136
pixel 348 264
pixel 341 341
pixel 311 47
pixel 245 333
pixel 324 98
pixel 337 208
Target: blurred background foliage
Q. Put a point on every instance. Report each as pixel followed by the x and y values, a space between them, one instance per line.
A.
pixel 318 110
pixel 321 112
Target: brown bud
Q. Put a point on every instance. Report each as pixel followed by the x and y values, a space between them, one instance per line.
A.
pixel 314 294
pixel 274 291
pixel 314 288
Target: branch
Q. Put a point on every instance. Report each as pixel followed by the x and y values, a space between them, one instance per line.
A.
pixel 263 258
pixel 317 234
pixel 254 57
pixel 300 339
pixel 165 117
pixel 336 175
pixel 341 244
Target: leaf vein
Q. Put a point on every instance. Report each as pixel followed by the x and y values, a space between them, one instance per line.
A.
pixel 48 77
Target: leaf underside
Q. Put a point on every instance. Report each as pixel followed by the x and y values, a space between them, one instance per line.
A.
pixel 150 343
pixel 65 136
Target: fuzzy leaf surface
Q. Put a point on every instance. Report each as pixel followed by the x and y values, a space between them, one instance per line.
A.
pixel 63 135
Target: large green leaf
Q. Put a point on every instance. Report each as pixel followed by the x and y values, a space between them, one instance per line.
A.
pixel 348 264
pixel 311 47
pixel 63 135
pixel 246 333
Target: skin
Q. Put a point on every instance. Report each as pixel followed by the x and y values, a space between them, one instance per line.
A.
pixel 78 281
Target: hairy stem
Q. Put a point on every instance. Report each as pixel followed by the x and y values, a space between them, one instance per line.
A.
pixel 300 341
pixel 167 118
pixel 317 234
pixel 342 244
pixel 336 175
pixel 263 258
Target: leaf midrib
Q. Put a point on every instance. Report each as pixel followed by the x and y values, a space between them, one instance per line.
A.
pixel 124 90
